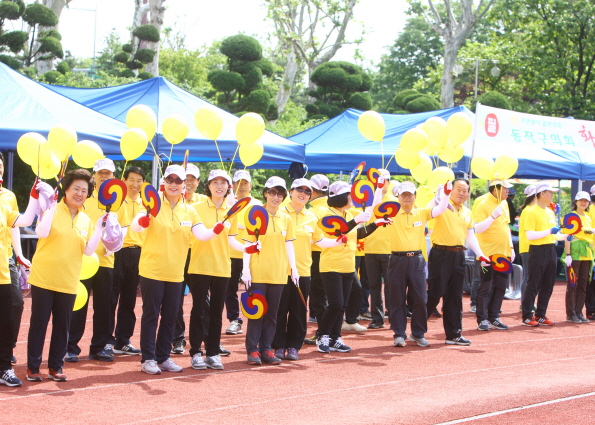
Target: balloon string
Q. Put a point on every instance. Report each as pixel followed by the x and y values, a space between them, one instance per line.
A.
pixel 219 152
pixel 123 170
pixel 389 161
pixel 233 159
pixel 382 148
pixel 171 150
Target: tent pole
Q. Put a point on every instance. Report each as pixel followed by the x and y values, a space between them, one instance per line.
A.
pixel 10 170
pixel 580 185
pixel 155 171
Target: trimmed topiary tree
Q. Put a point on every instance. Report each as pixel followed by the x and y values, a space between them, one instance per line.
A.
pixel 51 77
pixel 135 58
pixel 63 68
pixel 399 99
pixel 422 103
pixel 494 99
pixel 15 41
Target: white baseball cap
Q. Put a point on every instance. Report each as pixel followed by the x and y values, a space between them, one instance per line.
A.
pixel 178 170
pixel 406 187
pixel 593 190
pixel 300 183
pixel 582 195
pixel 396 186
pixel 242 175
pixel 503 183
pixel 530 190
pixel 218 173
pixel 274 182
pixel 319 182
pixel 384 173
pixel 104 164
pixel 338 188
pixel 542 187
pixel 192 170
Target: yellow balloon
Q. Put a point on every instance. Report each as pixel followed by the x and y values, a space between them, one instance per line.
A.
pixel 451 154
pixel 143 117
pixel 133 143
pixel 439 176
pixel 423 195
pixel 483 167
pixel 422 171
pixel 371 125
pixel 458 128
pixel 430 149
pixel 90 266
pixel 406 159
pixel 62 140
pixel 251 153
pixel 28 147
pixel 48 168
pixel 86 153
pixel 435 128
pixel 505 166
pixel 414 140
pixel 208 123
pixel 175 129
pixel 250 128
pixel 81 297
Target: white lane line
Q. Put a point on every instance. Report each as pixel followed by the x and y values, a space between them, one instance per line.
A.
pixel 515 409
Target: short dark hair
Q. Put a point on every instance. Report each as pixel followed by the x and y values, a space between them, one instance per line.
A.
pixel 208 190
pixel 574 207
pixel 266 189
pixel 338 201
pixel 80 174
pixel 136 170
pixel 493 188
pixel 528 201
pixel 320 193
pixel 461 180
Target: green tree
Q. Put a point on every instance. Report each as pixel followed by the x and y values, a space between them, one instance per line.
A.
pixel 14 41
pixel 49 45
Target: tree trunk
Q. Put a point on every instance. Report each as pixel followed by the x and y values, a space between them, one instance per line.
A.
pixel 157 14
pixel 448 79
pixel 291 69
pixel 56 5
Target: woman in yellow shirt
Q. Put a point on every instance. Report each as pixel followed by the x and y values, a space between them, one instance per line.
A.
pixel 65 234
pixel 579 256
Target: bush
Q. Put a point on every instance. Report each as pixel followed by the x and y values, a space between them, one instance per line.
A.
pixel 51 77
pixel 253 80
pixel 147 33
pixel 494 99
pixel 241 47
pixel 134 65
pixel 10 62
pixel 273 112
pixel 311 109
pixel 127 48
pixel 258 101
pixel 144 55
pixel 63 68
pixel 9 10
pixel 15 40
pixel 224 81
pixel 410 98
pixel 266 66
pixel 318 117
pixel 361 101
pixel 127 73
pixel 121 57
pixel 400 97
pixel 39 14
pixel 423 104
pixel 314 94
pixel 51 46
pixel 50 33
pixel 145 75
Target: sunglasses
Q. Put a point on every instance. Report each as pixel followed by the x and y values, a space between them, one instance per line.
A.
pixel 275 193
pixel 171 180
pixel 302 190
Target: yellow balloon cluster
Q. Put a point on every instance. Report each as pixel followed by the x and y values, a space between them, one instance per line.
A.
pixel 439 176
pixel 371 125
pixel 208 123
pixel 143 117
pixel 36 151
pixel 62 140
pixel 133 143
pixel 504 167
pixel 175 129
pixel 251 153
pixel 86 153
pixel 249 129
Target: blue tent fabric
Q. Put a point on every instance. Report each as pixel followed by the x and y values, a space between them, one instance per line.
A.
pixel 27 106
pixel 165 98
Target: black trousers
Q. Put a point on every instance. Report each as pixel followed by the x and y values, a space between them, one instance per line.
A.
pixel 232 305
pixel 446 271
pixel 360 266
pixel 17 298
pixel 317 301
pixel 101 286
pixel 377 270
pixel 575 295
pixel 160 306
pixel 590 297
pixel 292 316
pixel 125 284
pixel 6 326
pixel 492 287
pixel 354 302
pixel 200 285
pixel 44 303
pixel 542 277
pixel 407 275
pixel 337 287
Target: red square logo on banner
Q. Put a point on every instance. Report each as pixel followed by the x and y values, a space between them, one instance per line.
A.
pixel 491 125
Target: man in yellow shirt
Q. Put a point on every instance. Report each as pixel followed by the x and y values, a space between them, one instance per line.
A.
pixel 590 296
pixel 491 218
pixel 541 229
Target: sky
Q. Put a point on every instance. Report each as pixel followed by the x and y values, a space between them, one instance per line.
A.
pixel 204 22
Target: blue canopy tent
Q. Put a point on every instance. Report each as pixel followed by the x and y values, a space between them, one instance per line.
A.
pixel 165 99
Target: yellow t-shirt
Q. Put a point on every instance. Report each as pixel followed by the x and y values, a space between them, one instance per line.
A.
pixel 212 258
pixel 359 251
pixel 540 219
pixel 241 228
pixel 319 207
pixel 379 241
pixel 340 259
pixel 7 219
pixel 450 228
pixel 129 209
pixel 307 232
pixel 271 264
pixel 591 214
pixel 523 241
pixel 8 199
pixel 58 260
pixel 165 247
pixel 94 212
pixel 407 233
pixel 197 197
pixel 496 239
pixel 586 225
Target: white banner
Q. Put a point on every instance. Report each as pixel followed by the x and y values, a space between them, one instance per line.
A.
pixel 501 125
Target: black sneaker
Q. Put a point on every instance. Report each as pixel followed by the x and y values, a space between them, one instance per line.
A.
pixel 458 341
pixel 8 378
pixel 269 358
pixel 178 347
pixel 590 316
pixel 497 324
pixel 436 313
pixel 484 325
pixel 71 358
pixel 311 341
pixel 109 349
pixel 102 356
pixel 337 345
pixel 13 360
pixel 582 318
pixel 127 349
pixel 376 325
pixel 323 343
pixel 223 352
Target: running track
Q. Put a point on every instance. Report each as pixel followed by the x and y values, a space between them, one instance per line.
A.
pixel 523 375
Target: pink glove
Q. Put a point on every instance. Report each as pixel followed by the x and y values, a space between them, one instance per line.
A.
pixel 144 221
pixel 218 228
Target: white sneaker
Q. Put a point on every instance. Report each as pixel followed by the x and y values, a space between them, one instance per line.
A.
pixel 170 366
pixel 399 342
pixel 197 362
pixel 214 362
pixel 150 367
pixel 353 327
pixel 234 328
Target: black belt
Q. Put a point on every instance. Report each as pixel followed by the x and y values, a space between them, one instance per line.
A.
pixel 132 247
pixel 456 248
pixel 406 253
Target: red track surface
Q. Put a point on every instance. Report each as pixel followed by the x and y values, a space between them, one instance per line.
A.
pixel 374 384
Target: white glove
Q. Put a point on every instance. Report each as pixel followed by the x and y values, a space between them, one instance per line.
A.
pixel 246 278
pixel 484 264
pixel 362 217
pixel 512 254
pixel 497 212
pixel 295 277
pixel 383 222
pixel 99 225
pixel 568 261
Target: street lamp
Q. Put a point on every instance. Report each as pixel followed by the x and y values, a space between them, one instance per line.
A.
pixel 458 70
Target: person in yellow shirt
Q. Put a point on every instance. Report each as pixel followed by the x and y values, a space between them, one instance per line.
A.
pixel 407 266
pixel 100 285
pixel 242 187
pixel 65 234
pixel 161 269
pixel 590 293
pixel 126 260
pixel 192 182
pixel 452 232
pixel 579 256
pixel 541 229
pixel 523 242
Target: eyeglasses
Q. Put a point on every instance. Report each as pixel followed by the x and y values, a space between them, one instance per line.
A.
pixel 171 180
pixel 275 193
pixel 302 190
